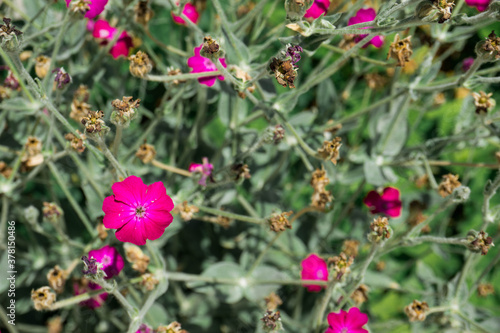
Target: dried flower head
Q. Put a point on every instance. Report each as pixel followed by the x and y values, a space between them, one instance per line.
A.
pixel 134 255
pixel 186 211
pixel 448 185
pixel 173 327
pixel 210 47
pixel 360 295
pixel 42 298
pixel 75 143
pixel 51 211
pixel 79 110
pixel 32 155
pixel 146 153
pixel 330 150
pixel 376 81
pixel 173 72
pixel 279 222
pixel 417 311
pixel 278 134
pixel 42 66
pixel 479 242
pixel 416 217
pixel 380 230
pixel 271 321
pixel 422 181
pixel 380 265
pixel 57 279
pixel 435 10
pixel 93 122
pixel 284 71
pixel 55 325
pixel 483 102
pixel 124 110
pixel 485 289
pixel 80 6
pixel 240 171
pixel 223 221
pixel 350 247
pixel 101 229
pixel 341 264
pixel 142 12
pixel 489 49
pixel 6 29
pixel 149 281
pixel 320 197
pixel 140 65
pixel 62 79
pixel 244 77
pixel 5 170
pixel 5 93
pixel 400 50
pixel 273 301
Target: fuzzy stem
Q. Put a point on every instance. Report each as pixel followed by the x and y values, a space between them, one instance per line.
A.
pixel 231 215
pixel 170 168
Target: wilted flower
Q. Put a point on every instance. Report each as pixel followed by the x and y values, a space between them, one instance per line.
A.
pixel 279 222
pixel 84 286
pixel 347 322
pixel 91 8
pixel 138 211
pixel 350 247
pixel 146 153
pixel 320 197
pixel 435 10
pixel 139 259
pixel 341 264
pixel 201 64
pixel 448 185
pixel 57 279
pixel 388 203
pixel 489 49
pixel 417 311
pixel 76 143
pixel 106 33
pixel 483 102
pixel 5 170
pixel 204 169
pixel 149 281
pixel 186 211
pixel 272 321
pixel 416 217
pixel 142 12
pixel 42 65
pixel 6 29
pixel 140 65
pixel 111 260
pixel 318 8
pixel 366 15
pixel 273 301
pixel 93 122
pixel 400 50
pixel 479 242
pixel 330 150
pixel 62 78
pixel 485 289
pixel 190 12
pixel 79 106
pixel 124 110
pixel 360 295
pixel 32 155
pixel 240 171
pixel 42 298
pixel 380 230
pixel 481 5
pixel 210 48
pixel 314 268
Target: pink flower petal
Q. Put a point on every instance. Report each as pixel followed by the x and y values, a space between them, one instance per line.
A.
pixel 116 213
pixel 156 197
pixel 314 268
pixel 130 190
pixel 190 12
pixel 103 30
pixel 132 232
pixel 318 8
pixel 355 319
pixel 96 8
pixel 390 194
pixel 377 41
pixel 122 47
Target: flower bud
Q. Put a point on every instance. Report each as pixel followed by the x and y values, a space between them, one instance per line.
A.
pixel 62 78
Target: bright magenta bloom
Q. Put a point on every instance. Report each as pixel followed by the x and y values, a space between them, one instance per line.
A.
pixel 481 5
pixel 318 8
pixel 467 63
pixel 112 262
pixel 144 329
pixel 190 12
pixel 93 302
pixel 366 15
pixel 314 268
pixel 205 169
pixel 201 64
pixel 138 211
pixel 387 203
pixel 347 322
pixel 96 7
pixel 104 32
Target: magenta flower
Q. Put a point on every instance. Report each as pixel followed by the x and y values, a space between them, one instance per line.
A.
pixel 144 329
pixel 467 63
pixel 318 8
pixel 106 33
pixel 347 322
pixel 481 5
pixel 190 12
pixel 96 7
pixel 201 64
pixel 388 203
pixel 138 211
pixel 112 262
pixel 366 15
pixel 93 302
pixel 205 169
pixel 314 268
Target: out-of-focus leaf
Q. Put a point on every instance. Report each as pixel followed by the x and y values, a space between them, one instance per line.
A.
pixel 257 292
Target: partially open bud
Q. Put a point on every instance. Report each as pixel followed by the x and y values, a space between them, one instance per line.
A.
pixel 417 311
pixel 42 298
pixel 140 65
pixel 489 49
pixel 124 111
pixel 42 65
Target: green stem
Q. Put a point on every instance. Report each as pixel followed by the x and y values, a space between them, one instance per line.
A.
pixel 111 158
pixel 3 221
pixel 231 215
pixel 263 253
pixel 118 139
pixel 189 76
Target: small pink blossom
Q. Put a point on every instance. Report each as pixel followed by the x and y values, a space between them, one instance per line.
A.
pixel 190 12
pixel 366 15
pixel 201 64
pixel 138 211
pixel 347 322
pixel 467 63
pixel 387 203
pixel 481 5
pixel 96 7
pixel 205 169
pixel 144 329
pixel 318 8
pixel 93 302
pixel 112 262
pixel 314 268
pixel 106 33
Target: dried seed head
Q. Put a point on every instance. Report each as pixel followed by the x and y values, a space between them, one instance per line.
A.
pixel 284 72
pixel 124 110
pixel 55 325
pixel 360 295
pixel 134 255
pixel 448 185
pixel 142 12
pixel 210 48
pixel 417 311
pixel 320 197
pixel 350 248
pixel 400 50
pixel 149 281
pixel 479 242
pixel 330 150
pixel 42 66
pixel 42 298
pixel 240 171
pixel 32 155
pixel 435 10
pixel 75 143
pixel 173 327
pixel 483 102
pixel 485 289
pixel 4 93
pixel 173 72
pixel 79 110
pixel 10 37
pixel 279 222
pixel 489 49
pixel 186 211
pixel 341 264
pixel 271 321
pixel 380 230
pixel 140 65
pixel 80 6
pixel 146 153
pixel 93 122
pixel 273 301
pixel 57 279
